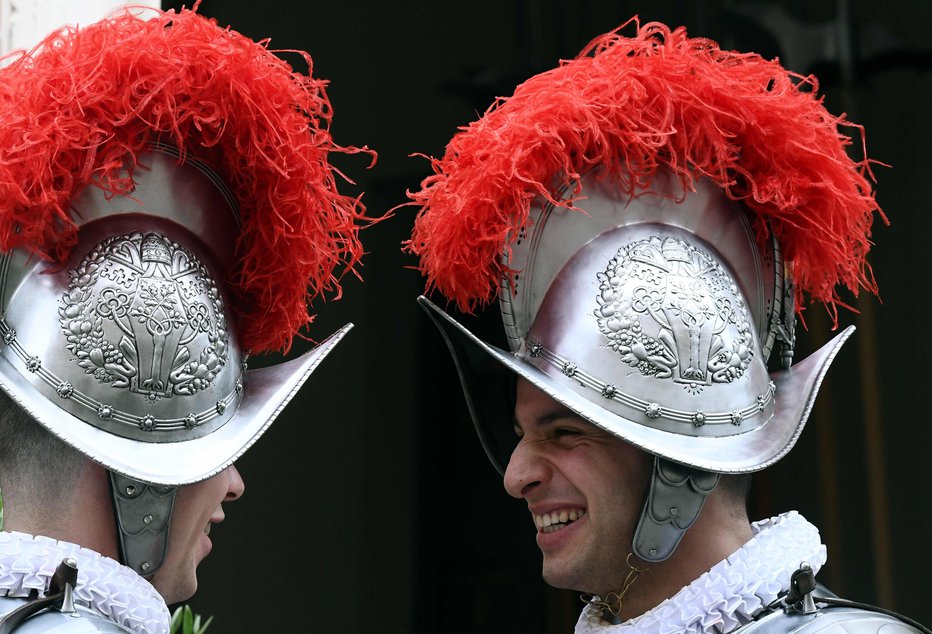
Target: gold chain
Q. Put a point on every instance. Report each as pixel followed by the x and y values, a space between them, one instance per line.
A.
pixel 610 604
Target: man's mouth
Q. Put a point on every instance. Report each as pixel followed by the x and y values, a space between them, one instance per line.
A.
pixel 554 521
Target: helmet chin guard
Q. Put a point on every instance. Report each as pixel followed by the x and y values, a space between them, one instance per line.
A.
pixel 675 497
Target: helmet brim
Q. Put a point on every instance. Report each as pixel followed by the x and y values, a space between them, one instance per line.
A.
pixel 742 452
pixel 267 391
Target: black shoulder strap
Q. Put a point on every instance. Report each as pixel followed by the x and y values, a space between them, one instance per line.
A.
pixel 805 590
pixel 60 589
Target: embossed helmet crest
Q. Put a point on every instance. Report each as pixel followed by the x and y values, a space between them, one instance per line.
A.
pixel 673 312
pixel 145 315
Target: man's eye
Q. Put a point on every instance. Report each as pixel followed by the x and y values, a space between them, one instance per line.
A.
pixel 566 431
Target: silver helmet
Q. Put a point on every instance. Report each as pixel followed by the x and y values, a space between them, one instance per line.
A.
pixel 169 213
pixel 129 350
pixel 653 317
pixel 650 222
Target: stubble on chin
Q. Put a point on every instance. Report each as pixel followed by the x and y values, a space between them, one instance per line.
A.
pixel 584 572
pixel 562 574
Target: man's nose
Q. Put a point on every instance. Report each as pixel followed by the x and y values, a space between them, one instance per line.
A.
pixel 235 484
pixel 527 469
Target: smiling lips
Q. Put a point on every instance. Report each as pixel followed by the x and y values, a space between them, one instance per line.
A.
pixel 554 521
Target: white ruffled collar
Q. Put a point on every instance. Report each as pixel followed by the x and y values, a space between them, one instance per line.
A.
pixel 733 590
pixel 114 590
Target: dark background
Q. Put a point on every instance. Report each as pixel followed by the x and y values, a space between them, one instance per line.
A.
pixel 370 506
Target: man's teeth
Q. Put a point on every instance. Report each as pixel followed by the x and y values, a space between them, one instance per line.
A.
pixel 549 522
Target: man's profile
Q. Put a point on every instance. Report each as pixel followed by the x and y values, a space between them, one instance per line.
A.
pixel 650 216
pixel 168 209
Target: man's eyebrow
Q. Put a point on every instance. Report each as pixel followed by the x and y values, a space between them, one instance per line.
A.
pixel 549 418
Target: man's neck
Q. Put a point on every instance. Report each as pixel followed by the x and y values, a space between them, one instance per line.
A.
pixel 716 534
pixel 83 516
pixel 732 591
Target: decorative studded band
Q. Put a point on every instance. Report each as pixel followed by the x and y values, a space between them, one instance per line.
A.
pixel 652 410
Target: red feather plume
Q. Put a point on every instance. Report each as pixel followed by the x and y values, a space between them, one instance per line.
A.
pixel 78 108
pixel 634 105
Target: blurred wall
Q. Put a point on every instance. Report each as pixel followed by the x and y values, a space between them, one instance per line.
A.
pixel 24 22
pixel 370 506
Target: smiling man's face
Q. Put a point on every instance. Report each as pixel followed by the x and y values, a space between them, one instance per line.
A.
pixel 197 507
pixel 566 468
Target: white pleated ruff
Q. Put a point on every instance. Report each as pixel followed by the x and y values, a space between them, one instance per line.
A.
pixel 732 591
pixel 28 562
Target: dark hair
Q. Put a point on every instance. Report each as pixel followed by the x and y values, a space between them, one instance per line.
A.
pixel 737 488
pixel 33 461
